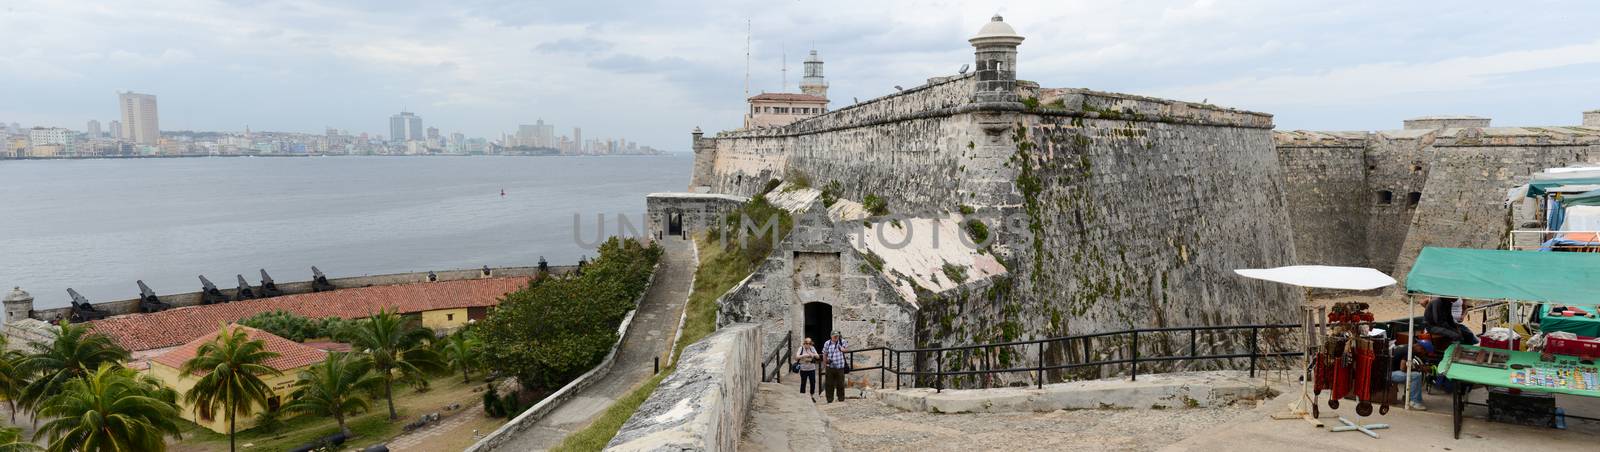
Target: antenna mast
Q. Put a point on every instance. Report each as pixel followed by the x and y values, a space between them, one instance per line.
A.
pixel 747 58
pixel 785 69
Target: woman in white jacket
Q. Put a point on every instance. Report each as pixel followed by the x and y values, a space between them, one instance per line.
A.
pixel 807 359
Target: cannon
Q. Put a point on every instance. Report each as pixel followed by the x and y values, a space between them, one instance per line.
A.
pixel 544 266
pixel 209 294
pixel 319 281
pixel 487 272
pixel 244 292
pixel 82 310
pixel 148 301
pixel 269 289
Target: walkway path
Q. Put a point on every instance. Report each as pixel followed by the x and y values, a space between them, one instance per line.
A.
pixel 649 336
pixel 783 419
pixel 412 440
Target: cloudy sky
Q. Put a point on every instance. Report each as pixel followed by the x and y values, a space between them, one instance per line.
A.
pixel 651 70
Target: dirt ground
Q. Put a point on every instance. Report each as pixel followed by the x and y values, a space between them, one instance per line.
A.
pixel 867 425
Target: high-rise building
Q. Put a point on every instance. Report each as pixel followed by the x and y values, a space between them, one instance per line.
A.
pixel 51 136
pixel 546 134
pixel 405 126
pixel 577 139
pixel 116 129
pixel 93 129
pixel 433 134
pixel 140 123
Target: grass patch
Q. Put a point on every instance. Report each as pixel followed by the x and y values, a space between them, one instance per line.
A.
pixel 368 428
pixel 597 434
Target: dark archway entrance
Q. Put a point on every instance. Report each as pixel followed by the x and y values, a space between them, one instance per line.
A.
pixel 819 322
pixel 674 223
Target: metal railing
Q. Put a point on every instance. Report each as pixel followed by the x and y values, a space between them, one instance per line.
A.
pixel 892 361
pixel 775 364
pixel 1534 239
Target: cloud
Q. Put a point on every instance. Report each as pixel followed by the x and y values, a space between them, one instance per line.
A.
pixel 582 46
pixel 484 66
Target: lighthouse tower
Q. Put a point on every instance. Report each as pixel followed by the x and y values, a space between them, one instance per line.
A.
pixel 813 83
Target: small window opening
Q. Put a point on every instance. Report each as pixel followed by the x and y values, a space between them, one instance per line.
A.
pixel 1413 198
pixel 1385 197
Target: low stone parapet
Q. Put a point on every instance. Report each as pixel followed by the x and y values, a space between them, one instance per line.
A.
pixel 1156 391
pixel 702 405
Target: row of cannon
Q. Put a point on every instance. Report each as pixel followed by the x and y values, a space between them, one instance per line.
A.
pixel 83 310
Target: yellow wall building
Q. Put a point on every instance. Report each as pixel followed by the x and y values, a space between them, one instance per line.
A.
pixel 292 358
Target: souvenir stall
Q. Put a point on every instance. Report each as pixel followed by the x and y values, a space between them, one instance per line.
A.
pixel 1560 290
pixel 1344 354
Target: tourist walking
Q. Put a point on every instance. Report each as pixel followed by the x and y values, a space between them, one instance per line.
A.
pixel 808 359
pixel 833 360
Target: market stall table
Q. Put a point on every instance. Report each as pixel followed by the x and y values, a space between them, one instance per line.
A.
pixel 1582 326
pixel 1522 370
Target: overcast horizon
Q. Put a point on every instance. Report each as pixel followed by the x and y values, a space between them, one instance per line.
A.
pixel 653 70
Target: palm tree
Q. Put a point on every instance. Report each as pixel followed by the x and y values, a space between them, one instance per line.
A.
pixel 460 351
pixel 109 409
pixel 11 441
pixel 334 387
pixel 232 365
pixel 12 379
pixel 75 352
pixel 397 349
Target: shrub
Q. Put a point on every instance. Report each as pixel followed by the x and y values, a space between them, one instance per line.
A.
pixel 830 193
pixel 295 327
pixel 966 209
pixel 956 273
pixel 771 185
pixel 491 402
pixel 796 179
pixel 875 205
pixel 978 231
pixel 269 421
pixel 557 328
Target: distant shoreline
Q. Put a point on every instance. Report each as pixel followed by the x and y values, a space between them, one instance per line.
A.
pixel 112 157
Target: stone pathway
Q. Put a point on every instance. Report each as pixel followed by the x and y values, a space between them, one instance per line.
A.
pixel 410 441
pixel 650 336
pixel 783 419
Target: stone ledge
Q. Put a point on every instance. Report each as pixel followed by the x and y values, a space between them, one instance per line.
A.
pixel 1158 391
pixel 702 404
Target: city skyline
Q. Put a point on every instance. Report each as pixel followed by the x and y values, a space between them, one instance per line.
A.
pixel 485 68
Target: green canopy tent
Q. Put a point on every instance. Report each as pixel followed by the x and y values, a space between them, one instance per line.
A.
pixel 1526 276
pixel 1588 198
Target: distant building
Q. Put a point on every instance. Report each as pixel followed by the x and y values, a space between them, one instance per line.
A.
pixel 780 109
pixel 93 129
pixel 140 122
pixel 813 83
pixel 406 126
pixel 40 138
pixel 433 134
pixel 116 129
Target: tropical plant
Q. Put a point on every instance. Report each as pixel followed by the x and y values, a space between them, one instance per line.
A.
pixel 230 367
pixel 12 379
pixel 334 387
pixel 109 409
pixel 461 352
pixel 293 327
pixel 398 350
pixel 74 352
pixel 11 441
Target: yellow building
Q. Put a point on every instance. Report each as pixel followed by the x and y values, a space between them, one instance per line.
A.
pixel 292 358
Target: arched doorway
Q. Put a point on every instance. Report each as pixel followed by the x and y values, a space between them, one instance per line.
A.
pixel 674 223
pixel 819 322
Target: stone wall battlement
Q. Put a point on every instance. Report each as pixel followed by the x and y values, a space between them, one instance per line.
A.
pixel 1108 105
pixel 936 99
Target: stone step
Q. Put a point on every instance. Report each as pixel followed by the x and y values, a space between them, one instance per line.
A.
pixel 783 419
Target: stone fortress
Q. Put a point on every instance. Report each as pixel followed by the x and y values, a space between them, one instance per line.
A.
pixel 1107 211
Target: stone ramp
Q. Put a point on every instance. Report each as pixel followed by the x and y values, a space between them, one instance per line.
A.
pixel 1157 391
pixel 654 326
pixel 783 419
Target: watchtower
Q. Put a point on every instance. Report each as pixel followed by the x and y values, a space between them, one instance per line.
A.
pixel 996 49
pixel 19 305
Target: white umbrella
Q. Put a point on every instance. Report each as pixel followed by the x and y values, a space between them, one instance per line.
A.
pixel 1322 276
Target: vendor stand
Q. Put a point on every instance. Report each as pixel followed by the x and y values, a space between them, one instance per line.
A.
pixel 1516 279
pixel 1316 322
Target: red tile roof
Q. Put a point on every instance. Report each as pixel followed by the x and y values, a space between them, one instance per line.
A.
pixel 171 327
pixel 791 97
pixel 291 354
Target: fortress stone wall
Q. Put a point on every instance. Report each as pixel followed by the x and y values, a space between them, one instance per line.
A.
pixel 1377 198
pixel 1112 211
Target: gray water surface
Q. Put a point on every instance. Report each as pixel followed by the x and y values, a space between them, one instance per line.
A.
pixel 99 225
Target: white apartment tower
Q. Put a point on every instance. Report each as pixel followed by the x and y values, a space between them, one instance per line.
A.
pixel 140 123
